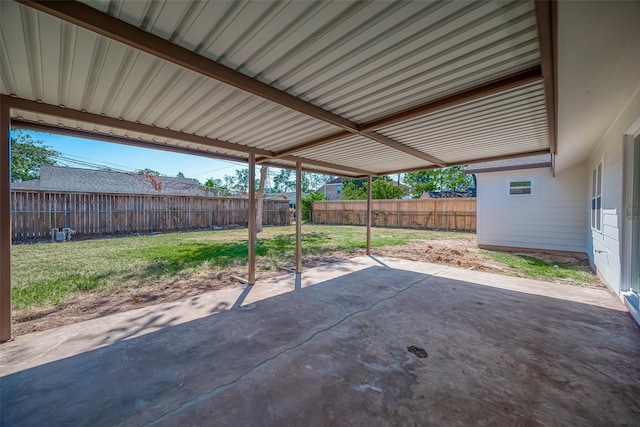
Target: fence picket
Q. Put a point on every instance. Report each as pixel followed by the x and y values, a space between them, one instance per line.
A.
pixel 35 213
pixel 443 214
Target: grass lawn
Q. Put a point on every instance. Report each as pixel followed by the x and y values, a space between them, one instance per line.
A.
pixel 521 265
pixel 48 273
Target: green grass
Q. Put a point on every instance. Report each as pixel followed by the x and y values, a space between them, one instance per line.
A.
pixel 534 268
pixel 49 273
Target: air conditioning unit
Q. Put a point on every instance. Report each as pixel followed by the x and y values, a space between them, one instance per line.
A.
pixel 58 235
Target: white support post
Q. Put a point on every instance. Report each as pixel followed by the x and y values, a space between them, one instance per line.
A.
pixel 5 223
pixel 251 192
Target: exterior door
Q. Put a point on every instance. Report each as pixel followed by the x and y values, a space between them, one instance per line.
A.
pixel 631 274
pixel 635 219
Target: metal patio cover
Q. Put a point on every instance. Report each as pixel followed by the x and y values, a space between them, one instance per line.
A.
pixel 346 88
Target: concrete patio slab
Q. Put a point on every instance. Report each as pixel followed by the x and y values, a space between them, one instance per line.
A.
pixel 331 349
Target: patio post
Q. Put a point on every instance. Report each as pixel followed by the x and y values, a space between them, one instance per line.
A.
pixel 5 223
pixel 298 217
pixel 369 215
pixel 251 193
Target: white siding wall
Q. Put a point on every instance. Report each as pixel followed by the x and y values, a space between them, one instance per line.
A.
pixel 553 217
pixel 605 248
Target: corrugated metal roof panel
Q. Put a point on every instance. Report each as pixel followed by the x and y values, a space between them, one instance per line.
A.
pixel 510 122
pixel 360 59
pixel 119 81
pixel 359 152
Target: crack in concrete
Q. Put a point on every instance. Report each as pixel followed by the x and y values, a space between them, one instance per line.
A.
pixel 207 394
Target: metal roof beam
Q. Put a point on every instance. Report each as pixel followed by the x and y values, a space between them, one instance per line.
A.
pixel 99 136
pixel 468 162
pixel 404 148
pixel 123 140
pixel 547 32
pixel 101 23
pixel 498 85
pixel 328 165
pixel 83 116
pixel 310 144
pixel 485 89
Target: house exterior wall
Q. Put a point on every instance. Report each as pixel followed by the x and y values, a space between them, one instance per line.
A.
pixel 331 191
pixel 551 218
pixel 604 247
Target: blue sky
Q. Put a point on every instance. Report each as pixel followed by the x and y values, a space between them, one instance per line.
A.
pixel 123 157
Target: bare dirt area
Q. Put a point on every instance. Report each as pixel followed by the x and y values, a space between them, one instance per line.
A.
pixel 462 253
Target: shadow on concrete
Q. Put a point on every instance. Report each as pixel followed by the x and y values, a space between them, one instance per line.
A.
pixel 247 289
pixel 336 352
pixel 382 264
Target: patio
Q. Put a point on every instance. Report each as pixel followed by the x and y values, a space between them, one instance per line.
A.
pixel 332 350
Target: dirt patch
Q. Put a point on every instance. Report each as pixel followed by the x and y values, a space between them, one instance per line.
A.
pixel 462 253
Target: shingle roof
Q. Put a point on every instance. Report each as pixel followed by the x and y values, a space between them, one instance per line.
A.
pixel 56 178
pixel 540 161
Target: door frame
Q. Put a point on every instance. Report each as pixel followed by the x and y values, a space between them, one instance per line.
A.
pixel 630 284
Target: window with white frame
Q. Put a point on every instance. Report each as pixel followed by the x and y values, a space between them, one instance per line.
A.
pixel 596 198
pixel 520 187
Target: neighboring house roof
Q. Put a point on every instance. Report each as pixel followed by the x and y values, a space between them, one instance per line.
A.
pixel 539 161
pixel 56 178
pixel 337 180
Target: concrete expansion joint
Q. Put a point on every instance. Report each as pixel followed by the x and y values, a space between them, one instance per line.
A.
pixel 208 394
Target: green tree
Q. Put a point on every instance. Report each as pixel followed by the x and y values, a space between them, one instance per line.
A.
pixel 180 175
pixel 148 172
pixel 307 204
pixel 283 182
pixel 28 155
pixel 445 179
pixel 353 189
pixel 215 187
pixel 382 188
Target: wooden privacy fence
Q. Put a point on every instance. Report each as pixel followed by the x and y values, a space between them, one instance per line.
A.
pixel 35 213
pixel 440 214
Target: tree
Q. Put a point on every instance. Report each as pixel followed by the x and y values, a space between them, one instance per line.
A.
pixel 353 189
pixel 240 181
pixel 215 187
pixel 180 175
pixel 307 204
pixel 147 172
pixel 260 197
pixel 445 179
pixel 28 155
pixel 382 188
pixel 283 182
pixel 313 181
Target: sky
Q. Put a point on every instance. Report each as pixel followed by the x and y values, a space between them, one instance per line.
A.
pixel 85 153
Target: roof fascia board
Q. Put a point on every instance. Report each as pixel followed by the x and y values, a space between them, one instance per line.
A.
pixel 546 24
